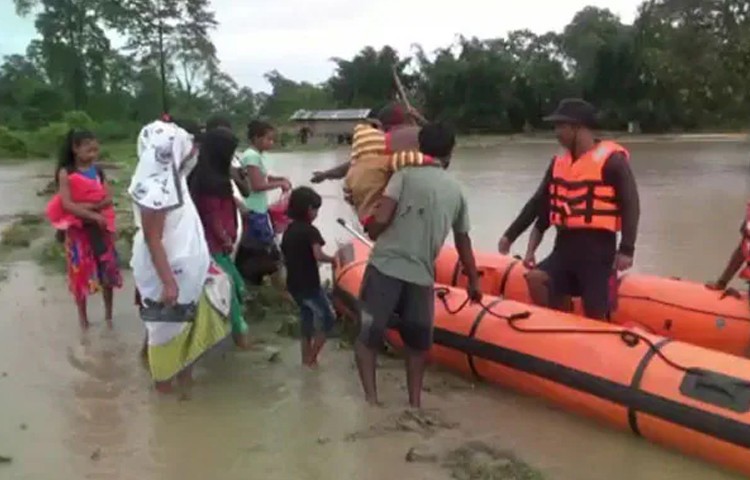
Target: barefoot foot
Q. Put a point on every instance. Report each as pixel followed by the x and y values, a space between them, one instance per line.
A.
pixel 164 388
pixel 185 378
pixel 243 342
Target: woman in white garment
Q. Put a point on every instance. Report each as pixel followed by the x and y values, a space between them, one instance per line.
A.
pixel 184 298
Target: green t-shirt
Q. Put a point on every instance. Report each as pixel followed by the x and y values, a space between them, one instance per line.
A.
pixel 256 201
pixel 430 204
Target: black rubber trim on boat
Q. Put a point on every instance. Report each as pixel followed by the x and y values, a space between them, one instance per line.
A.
pixel 348 269
pixel 638 377
pixel 347 299
pixel 506 276
pixel 473 332
pixel 629 396
pixel 717 426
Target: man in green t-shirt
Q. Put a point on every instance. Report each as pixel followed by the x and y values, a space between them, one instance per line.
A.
pixel 418 208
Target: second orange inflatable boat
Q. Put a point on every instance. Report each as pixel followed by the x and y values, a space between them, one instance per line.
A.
pixel 675 308
pixel 676 394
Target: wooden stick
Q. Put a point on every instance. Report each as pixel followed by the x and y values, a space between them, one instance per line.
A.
pixel 405 100
pixel 400 88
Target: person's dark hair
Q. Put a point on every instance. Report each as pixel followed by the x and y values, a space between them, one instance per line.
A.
pixel 190 126
pixel 218 120
pixel 257 128
pixel 67 158
pixel 372 118
pixel 211 174
pixel 218 146
pixel 391 115
pixel 301 201
pixel 437 140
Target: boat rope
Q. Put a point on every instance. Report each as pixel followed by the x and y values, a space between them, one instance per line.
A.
pixel 629 337
pixel 729 293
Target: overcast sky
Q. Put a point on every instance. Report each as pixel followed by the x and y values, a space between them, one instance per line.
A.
pixel 298 37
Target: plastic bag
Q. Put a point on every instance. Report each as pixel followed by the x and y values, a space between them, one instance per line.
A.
pixel 277 211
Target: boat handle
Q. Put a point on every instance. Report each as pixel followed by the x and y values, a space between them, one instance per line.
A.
pixel 717 389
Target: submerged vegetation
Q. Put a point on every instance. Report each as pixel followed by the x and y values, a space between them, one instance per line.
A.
pixel 22 231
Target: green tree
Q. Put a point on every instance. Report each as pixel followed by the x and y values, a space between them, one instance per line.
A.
pixel 27 101
pixel 473 88
pixel 683 64
pixel 539 79
pixel 288 96
pixel 73 45
pixel 367 79
pixel 591 29
pixel 172 36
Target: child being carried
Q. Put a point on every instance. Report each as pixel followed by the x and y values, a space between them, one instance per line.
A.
pixel 387 143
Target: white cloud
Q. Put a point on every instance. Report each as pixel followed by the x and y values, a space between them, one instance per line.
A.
pixel 298 37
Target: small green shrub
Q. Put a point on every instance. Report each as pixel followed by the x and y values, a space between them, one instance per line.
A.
pixel 111 130
pixel 46 141
pixel 12 145
pixel 79 120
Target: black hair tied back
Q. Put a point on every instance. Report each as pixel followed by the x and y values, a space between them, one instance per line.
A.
pixel 257 129
pixel 67 158
pixel 301 201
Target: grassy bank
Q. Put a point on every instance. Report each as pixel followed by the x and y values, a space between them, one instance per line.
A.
pixel 22 236
pixel 120 146
pixel 270 315
pixel 29 235
pixel 22 231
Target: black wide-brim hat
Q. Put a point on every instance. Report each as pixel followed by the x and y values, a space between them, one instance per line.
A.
pixel 575 112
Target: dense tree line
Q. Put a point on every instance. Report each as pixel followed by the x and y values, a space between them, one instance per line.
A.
pixel 682 65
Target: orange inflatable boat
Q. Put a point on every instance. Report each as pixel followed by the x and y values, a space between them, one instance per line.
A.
pixel 675 308
pixel 676 394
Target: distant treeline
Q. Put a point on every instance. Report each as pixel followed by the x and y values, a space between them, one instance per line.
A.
pixel 682 65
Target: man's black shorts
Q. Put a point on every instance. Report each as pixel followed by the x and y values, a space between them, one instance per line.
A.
pixel 389 302
pixel 586 278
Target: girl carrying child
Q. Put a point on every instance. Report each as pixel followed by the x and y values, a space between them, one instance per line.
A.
pixel 302 248
pixel 83 209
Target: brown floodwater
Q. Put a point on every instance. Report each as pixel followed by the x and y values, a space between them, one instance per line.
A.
pixel 79 406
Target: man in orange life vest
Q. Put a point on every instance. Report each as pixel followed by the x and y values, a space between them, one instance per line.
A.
pixel 740 258
pixel 589 194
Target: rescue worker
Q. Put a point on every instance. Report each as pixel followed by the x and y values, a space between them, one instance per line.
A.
pixel 739 261
pixel 590 195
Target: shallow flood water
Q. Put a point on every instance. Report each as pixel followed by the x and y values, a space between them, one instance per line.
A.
pixel 79 406
pixel 693 196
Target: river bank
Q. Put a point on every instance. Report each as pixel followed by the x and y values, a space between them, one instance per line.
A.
pixel 85 399
pixel 121 151
pixel 487 141
pixel 81 406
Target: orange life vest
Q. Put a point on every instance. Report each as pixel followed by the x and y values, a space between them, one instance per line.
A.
pixel 745 273
pixel 579 198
